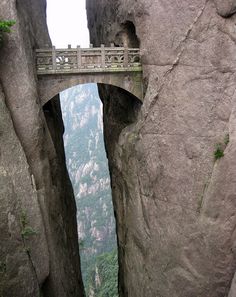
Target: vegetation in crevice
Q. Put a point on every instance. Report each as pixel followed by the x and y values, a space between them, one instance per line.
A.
pixel 26 230
pixel 219 152
pixel 5 27
pixel 220 148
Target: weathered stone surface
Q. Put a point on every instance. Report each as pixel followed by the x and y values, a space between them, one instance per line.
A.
pixel 232 292
pixel 174 204
pixel 35 191
pixel 24 260
pixel 225 8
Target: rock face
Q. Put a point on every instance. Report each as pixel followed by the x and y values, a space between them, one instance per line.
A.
pixel 225 8
pixel 39 253
pixel 175 203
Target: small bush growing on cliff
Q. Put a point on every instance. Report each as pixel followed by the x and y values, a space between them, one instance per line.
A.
pixel 27 230
pixel 220 148
pixel 219 152
pixel 5 27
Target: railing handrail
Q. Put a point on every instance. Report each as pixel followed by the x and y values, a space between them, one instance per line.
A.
pixel 121 49
pixel 58 59
pixel 87 48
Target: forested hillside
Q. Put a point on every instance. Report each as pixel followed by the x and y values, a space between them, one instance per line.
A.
pixel 88 169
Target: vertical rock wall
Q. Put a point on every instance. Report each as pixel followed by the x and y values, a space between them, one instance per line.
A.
pixel 174 203
pixel 39 253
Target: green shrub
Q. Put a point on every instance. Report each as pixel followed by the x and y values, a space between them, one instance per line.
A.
pixel 5 27
pixel 26 230
pixel 219 152
pixel 220 147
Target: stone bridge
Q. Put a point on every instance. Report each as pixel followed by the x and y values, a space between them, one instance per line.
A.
pixel 60 69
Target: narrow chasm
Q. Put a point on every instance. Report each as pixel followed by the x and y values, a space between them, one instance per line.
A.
pixel 90 133
pixel 87 165
pixel 85 157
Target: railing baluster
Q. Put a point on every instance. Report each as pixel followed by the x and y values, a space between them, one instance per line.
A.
pixel 79 57
pixel 103 56
pixel 126 57
pixel 54 58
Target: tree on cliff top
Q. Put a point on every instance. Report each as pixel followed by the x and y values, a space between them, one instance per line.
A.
pixel 5 27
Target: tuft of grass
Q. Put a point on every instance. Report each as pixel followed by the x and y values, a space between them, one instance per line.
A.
pixel 219 152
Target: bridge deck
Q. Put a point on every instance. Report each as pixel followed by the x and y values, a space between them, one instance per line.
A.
pixel 87 60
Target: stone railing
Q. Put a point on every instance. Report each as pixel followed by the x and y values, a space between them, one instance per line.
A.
pixel 93 59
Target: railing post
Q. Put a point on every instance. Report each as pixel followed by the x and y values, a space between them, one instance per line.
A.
pixel 54 58
pixel 126 57
pixel 79 57
pixel 103 56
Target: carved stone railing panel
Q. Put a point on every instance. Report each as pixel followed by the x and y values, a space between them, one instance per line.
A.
pixel 87 59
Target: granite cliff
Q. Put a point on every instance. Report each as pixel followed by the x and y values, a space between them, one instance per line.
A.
pixel 39 254
pixel 174 201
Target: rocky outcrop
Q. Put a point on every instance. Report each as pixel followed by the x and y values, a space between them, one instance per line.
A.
pixel 226 8
pixel 174 201
pixel 39 253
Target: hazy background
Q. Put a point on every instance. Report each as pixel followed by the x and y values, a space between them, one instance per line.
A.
pixel 67 22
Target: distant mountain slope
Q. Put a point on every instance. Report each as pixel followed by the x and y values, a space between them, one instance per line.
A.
pixel 102 279
pixel 88 169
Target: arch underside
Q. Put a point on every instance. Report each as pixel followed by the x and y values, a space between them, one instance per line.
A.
pixel 51 85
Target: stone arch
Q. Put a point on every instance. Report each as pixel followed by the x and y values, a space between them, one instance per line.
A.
pixel 51 85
